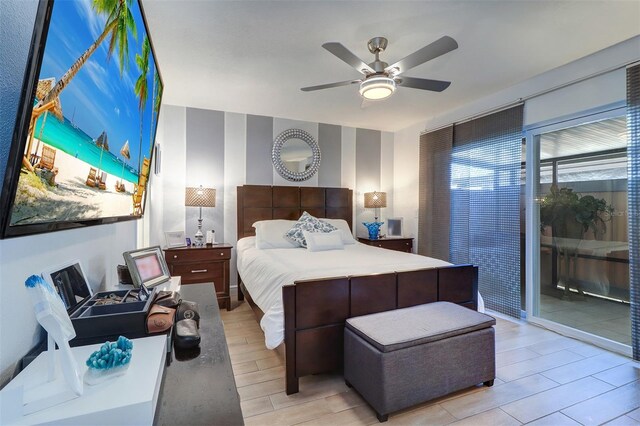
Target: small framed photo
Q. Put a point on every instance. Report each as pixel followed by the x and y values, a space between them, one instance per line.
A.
pixel 70 282
pixel 174 238
pixel 188 242
pixel 147 266
pixel 394 227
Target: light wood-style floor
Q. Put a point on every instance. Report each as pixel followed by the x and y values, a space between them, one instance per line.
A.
pixel 542 378
pixel 605 318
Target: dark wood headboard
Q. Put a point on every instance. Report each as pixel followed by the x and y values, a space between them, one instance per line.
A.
pixel 261 202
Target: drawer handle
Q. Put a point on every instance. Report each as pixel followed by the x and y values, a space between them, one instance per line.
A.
pixel 222 254
pixel 175 256
pixel 198 271
pixel 406 244
pixel 379 245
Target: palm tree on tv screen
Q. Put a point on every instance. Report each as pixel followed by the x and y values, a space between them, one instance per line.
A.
pixel 118 25
pixel 141 89
pixel 158 84
pixel 157 95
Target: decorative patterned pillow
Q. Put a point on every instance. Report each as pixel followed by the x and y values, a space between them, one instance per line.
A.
pixel 310 224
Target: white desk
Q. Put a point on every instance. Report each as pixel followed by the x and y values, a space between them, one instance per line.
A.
pixel 129 399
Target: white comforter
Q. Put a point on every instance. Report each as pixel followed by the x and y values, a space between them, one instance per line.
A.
pixel 264 272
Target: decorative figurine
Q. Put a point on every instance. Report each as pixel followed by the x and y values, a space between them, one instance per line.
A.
pixel 111 360
pixel 373 228
pixel 55 388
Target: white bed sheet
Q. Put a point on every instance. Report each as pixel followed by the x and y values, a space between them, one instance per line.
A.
pixel 264 272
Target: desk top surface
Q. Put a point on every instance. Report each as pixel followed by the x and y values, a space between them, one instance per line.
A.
pixel 199 387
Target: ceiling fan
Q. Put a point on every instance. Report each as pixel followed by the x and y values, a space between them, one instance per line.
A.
pixel 381 79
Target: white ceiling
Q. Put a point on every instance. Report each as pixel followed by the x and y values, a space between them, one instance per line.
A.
pixel 254 56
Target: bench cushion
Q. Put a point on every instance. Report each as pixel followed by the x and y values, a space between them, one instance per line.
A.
pixel 402 328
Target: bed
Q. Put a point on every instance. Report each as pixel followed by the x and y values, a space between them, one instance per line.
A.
pixel 303 303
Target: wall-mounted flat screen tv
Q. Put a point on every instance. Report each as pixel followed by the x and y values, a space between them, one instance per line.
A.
pixel 85 131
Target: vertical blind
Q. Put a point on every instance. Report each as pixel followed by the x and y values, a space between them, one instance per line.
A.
pixel 485 204
pixel 633 182
pixel 475 167
pixel 434 193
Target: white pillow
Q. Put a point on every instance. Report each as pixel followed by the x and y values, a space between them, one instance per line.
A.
pixel 321 241
pixel 270 234
pixel 343 226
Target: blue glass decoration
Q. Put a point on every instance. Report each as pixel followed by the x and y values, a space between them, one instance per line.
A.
pixel 373 228
pixel 111 355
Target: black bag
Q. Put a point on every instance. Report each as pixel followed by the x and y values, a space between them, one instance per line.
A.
pixel 188 310
pixel 169 299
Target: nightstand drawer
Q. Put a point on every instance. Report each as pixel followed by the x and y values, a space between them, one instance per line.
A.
pixel 189 256
pixel 400 245
pixel 175 256
pixel 217 254
pixel 200 272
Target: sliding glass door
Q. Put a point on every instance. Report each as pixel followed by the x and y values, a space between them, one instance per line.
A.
pixel 578 225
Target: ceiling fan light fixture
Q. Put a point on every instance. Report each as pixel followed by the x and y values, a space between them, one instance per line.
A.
pixel 376 88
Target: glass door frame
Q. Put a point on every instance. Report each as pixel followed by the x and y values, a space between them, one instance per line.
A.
pixel 532 218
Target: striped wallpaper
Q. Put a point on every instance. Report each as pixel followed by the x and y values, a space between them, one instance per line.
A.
pixel 224 150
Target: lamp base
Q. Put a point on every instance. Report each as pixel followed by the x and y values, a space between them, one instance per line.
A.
pixel 198 239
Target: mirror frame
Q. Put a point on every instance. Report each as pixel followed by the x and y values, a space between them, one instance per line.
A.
pixel 276 155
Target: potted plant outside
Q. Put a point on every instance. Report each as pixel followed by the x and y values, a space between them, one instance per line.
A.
pixel 570 216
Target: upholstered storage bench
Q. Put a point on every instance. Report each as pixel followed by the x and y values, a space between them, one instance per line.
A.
pixel 396 359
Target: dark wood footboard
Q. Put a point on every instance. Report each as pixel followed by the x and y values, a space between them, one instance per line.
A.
pixel 315 310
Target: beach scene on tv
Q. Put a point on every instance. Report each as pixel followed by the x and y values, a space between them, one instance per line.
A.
pixel 89 147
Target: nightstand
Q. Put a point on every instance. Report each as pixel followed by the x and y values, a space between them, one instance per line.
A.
pixel 397 244
pixel 203 265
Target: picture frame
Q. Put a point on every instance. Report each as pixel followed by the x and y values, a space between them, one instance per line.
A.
pixel 188 242
pixel 394 227
pixel 147 266
pixel 70 282
pixel 175 239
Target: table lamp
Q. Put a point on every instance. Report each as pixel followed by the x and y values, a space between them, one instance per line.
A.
pixel 374 200
pixel 199 197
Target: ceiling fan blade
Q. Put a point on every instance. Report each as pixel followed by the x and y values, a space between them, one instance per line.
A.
pixel 423 83
pixel 347 56
pixel 330 85
pixel 437 48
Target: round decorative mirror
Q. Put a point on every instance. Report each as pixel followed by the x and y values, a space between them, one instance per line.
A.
pixel 295 155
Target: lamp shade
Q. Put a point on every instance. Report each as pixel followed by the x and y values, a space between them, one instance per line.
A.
pixel 200 197
pixel 375 199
